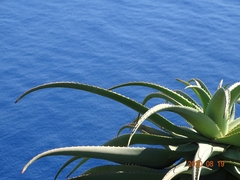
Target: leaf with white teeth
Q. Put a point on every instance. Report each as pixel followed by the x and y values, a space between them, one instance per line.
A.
pixel 213 127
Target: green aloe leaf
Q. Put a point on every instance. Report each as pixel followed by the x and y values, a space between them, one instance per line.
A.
pixel 77 166
pixel 65 165
pixel 173 95
pixel 137 139
pixel 149 139
pixel 144 129
pixel 199 120
pixel 235 93
pixel 202 95
pixel 189 99
pixel 232 139
pixel 200 90
pixel 216 110
pixel 123 140
pixel 201 85
pixel 162 96
pixel 232 114
pixel 235 130
pixel 232 163
pixel 233 124
pixel 155 118
pixel 93 89
pixel 119 172
pixel 148 157
pixel 231 154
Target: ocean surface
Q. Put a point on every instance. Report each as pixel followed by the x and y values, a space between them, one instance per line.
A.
pixel 102 43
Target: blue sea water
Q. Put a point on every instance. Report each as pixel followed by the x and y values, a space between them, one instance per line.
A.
pixel 102 43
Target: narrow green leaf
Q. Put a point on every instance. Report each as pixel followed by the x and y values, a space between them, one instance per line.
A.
pixel 123 140
pixel 200 89
pixel 177 97
pixel 199 120
pixel 231 154
pixel 144 129
pixel 148 139
pixel 235 130
pixel 77 166
pixel 189 99
pixel 216 110
pixel 201 85
pixel 232 139
pixel 155 118
pixel 233 163
pixel 233 124
pixel 234 92
pixel 65 165
pixel 202 95
pixel 149 157
pixel 162 96
pixel 232 114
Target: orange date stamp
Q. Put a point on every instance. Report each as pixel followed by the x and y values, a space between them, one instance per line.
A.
pixel 209 163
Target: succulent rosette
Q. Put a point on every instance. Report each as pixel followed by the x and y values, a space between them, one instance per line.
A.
pixel 208 148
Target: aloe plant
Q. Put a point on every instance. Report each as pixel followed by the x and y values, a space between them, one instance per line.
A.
pixel 209 147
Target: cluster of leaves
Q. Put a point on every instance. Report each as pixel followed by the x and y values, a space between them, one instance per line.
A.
pixel 209 147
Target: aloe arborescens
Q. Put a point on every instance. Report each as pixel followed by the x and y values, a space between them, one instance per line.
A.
pixel 209 147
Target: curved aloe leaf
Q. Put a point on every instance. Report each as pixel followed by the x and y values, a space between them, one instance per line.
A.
pixel 137 139
pixel 235 130
pixel 189 148
pixel 148 157
pixel 155 118
pixel 216 110
pixel 199 120
pixel 177 97
pixel 234 92
pixel 231 154
pixel 149 139
pixel 65 165
pixel 232 114
pixel 232 163
pixel 189 99
pixel 233 124
pixel 202 95
pixel 202 85
pixel 144 129
pixel 162 96
pixel 123 140
pixel 232 139
pixel 77 166
pixel 200 89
